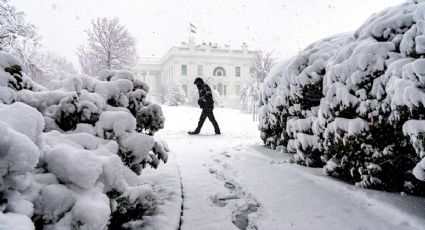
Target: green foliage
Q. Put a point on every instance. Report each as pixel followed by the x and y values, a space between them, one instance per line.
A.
pixel 150 119
pixel 125 211
pixel 15 71
pixel 68 114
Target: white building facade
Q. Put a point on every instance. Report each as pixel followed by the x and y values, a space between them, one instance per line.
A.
pixel 226 70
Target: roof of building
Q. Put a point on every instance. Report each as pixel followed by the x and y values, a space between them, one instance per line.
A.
pixel 192 50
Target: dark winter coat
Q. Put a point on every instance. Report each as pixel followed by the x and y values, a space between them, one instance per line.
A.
pixel 205 100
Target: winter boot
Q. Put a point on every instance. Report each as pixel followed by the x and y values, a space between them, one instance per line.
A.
pixel 193 132
pixel 216 128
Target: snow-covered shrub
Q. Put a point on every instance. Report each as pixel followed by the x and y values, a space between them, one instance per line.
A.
pixel 12 79
pixel 67 114
pixel 343 102
pixel 372 79
pixel 249 97
pixel 298 95
pixel 129 208
pixel 269 115
pixel 113 124
pixel 18 159
pixel 136 100
pixel 174 95
pixel 150 118
pixel 138 149
pixel 415 129
pixel 70 153
pixel 193 98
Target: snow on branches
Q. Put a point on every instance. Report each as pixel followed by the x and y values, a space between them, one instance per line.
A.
pixel 110 46
pixel 354 103
pixel 71 153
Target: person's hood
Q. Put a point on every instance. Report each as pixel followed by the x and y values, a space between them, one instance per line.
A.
pixel 199 82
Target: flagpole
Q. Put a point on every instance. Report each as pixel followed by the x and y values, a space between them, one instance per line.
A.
pixel 192 29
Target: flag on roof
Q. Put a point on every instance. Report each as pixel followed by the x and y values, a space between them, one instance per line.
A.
pixel 192 28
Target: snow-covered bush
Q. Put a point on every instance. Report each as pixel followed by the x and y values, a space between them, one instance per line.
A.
pixel 348 102
pixel 150 118
pixel 272 133
pixel 193 98
pixel 174 95
pixel 415 129
pixel 249 97
pixel 70 154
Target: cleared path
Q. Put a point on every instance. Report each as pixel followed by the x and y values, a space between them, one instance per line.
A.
pixel 232 182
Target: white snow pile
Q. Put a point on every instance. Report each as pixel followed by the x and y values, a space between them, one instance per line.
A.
pixel 354 103
pixel 70 153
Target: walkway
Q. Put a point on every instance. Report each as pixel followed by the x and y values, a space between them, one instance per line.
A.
pixel 232 182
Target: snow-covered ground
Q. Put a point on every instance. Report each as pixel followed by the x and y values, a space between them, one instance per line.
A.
pixel 231 181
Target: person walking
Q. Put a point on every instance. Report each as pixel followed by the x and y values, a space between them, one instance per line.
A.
pixel 206 102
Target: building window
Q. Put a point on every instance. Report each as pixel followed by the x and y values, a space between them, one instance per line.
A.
pixel 221 88
pixel 238 90
pixel 185 90
pixel 200 70
pixel 238 71
pixel 219 71
pixel 184 70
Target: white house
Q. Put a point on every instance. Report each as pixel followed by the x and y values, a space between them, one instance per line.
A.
pixel 226 69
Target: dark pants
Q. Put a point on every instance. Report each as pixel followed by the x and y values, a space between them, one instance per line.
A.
pixel 207 112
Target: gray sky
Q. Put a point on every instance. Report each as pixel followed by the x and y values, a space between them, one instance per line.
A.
pixel 285 26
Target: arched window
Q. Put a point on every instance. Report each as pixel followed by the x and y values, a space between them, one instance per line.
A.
pixel 219 71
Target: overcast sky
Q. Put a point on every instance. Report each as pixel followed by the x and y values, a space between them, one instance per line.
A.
pixel 285 26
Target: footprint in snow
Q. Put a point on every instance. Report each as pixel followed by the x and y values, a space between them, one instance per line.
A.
pixel 245 207
pixel 221 200
pixel 241 216
pixel 229 185
pixel 220 176
pixel 225 154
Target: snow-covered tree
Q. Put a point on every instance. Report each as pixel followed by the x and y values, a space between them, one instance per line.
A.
pixel 19 37
pixel 71 155
pixel 250 97
pixel 174 95
pixel 110 46
pixel 54 67
pixel 13 26
pixel 59 66
pixel 355 103
pixel 162 93
pixel 261 66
